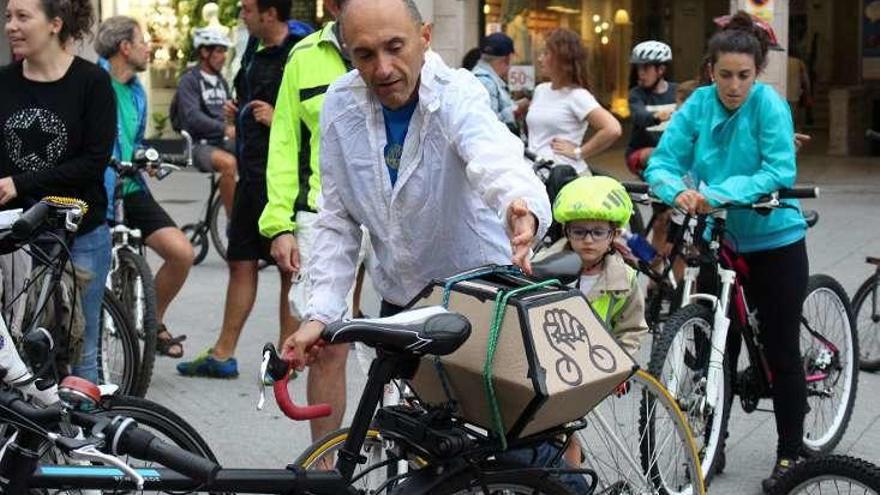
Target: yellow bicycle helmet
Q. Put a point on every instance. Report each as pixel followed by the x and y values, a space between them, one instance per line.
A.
pixel 593 198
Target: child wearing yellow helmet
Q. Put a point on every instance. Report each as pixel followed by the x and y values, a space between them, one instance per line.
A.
pixel 592 211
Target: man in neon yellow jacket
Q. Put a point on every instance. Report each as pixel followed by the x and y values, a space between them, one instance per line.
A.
pixel 293 183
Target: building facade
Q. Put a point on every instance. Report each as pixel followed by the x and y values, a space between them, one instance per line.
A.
pixel 839 43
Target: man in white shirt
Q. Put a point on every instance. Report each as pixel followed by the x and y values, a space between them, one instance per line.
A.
pixel 411 150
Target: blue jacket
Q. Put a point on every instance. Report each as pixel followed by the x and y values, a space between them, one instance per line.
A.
pixel 733 157
pixel 140 102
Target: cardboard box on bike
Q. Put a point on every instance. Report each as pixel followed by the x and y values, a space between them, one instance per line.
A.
pixel 554 359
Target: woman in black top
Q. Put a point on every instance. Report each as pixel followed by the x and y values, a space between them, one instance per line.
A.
pixel 58 123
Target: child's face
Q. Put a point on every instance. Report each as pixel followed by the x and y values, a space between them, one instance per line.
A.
pixel 591 239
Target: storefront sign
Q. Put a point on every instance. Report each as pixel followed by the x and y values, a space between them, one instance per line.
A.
pixel 761 8
pixel 521 78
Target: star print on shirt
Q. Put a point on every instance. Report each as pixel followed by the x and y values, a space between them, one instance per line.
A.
pixel 36 139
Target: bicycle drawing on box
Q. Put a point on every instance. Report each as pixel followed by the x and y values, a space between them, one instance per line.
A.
pixel 443 452
pixel 692 359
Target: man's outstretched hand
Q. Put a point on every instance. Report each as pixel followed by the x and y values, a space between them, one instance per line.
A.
pixel 522 228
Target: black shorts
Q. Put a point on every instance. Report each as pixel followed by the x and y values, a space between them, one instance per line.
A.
pixel 245 241
pixel 144 213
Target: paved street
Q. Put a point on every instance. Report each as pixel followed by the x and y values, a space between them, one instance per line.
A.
pixel 224 411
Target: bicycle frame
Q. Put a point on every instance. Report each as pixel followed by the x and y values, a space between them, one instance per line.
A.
pixel 731 306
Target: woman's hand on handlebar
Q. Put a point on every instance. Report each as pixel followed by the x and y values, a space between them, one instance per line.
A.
pixel 7 190
pixel 693 202
pixel 303 346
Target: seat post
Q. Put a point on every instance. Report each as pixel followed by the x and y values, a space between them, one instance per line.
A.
pixel 382 370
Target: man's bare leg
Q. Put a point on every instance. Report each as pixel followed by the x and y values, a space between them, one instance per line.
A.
pixel 177 255
pixel 240 296
pixel 326 384
pixel 224 163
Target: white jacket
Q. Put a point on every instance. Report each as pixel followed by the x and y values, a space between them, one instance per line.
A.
pixel 460 170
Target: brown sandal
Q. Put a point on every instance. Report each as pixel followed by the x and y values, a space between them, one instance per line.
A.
pixel 167 344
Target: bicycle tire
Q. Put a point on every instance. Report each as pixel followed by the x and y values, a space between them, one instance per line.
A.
pixel 199 240
pixel 133 285
pixel 218 232
pixel 117 329
pixel 868 323
pixel 709 428
pixel 373 449
pixel 830 300
pixel 666 465
pixel 833 469
pixel 498 477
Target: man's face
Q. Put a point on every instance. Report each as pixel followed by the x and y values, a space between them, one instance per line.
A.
pixel 387 48
pixel 252 17
pixel 503 67
pixel 136 51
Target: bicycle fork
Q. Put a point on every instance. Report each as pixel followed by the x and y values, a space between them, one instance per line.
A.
pixel 720 327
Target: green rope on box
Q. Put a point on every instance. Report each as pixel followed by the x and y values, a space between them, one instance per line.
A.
pixel 494 333
pixel 447 289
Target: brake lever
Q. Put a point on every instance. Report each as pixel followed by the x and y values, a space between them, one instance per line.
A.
pixel 91 453
pixel 273 366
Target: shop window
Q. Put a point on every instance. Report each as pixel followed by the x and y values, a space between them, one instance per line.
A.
pixel 603 26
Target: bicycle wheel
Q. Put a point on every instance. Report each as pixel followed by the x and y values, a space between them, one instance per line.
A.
pixel 639 442
pixel 132 283
pixel 199 240
pixel 370 475
pixel 680 361
pixel 830 474
pixel 830 352
pixel 866 307
pixel 118 350
pixel 499 478
pixel 219 223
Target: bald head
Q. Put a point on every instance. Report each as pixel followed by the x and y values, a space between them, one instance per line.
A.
pixel 411 8
pixel 386 41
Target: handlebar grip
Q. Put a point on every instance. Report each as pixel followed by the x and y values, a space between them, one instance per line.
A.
pixel 636 187
pixel 144 445
pixel 293 411
pixel 30 221
pixel 799 193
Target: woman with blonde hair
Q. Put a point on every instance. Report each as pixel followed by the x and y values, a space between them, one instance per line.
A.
pixel 563 109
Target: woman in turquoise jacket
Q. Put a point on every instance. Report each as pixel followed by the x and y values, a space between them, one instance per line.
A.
pixel 735 138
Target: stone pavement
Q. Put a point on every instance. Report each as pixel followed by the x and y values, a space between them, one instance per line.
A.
pixel 224 410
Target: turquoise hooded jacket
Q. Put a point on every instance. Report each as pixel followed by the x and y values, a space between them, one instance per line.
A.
pixel 733 157
pixel 140 103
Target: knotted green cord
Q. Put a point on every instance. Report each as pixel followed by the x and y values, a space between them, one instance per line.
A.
pixel 447 289
pixel 494 333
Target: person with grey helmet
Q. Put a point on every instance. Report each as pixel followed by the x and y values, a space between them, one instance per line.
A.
pixel 651 102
